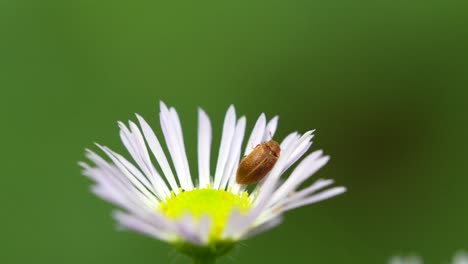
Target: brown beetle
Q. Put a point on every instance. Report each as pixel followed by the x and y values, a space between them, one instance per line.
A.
pixel 255 166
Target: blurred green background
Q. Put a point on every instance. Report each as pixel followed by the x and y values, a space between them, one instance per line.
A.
pixel 383 82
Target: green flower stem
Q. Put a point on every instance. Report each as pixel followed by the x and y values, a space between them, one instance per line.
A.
pixel 205 254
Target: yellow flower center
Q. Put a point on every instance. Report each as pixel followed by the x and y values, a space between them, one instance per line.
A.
pixel 217 204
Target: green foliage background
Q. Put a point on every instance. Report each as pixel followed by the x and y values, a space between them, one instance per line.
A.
pixel 383 82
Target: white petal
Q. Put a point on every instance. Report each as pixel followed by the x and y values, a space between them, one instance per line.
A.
pixel 173 144
pixel 257 134
pixel 304 170
pixel 178 127
pixel 236 188
pixel 136 209
pixel 109 195
pixel 204 228
pixel 158 153
pixel 319 184
pixel 276 209
pixel 152 174
pixel 133 223
pixel 234 154
pixel 298 153
pixel 296 201
pixel 110 176
pixel 131 167
pixel 136 146
pixel 224 149
pixel 187 229
pixel 235 226
pixel 116 188
pixel 264 227
pixel 131 173
pixel 111 188
pixel 316 198
pixel 287 140
pixel 270 129
pixel 204 148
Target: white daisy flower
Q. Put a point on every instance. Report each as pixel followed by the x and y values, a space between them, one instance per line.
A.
pixel 411 259
pixel 203 218
pixel 460 258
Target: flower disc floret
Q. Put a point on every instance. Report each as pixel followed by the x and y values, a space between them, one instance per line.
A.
pixel 216 204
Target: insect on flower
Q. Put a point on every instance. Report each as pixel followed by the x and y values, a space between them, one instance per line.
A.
pixel 255 166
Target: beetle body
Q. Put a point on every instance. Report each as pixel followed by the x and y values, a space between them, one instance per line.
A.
pixel 255 166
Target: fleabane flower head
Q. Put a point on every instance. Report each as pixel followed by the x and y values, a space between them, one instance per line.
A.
pixel 203 218
pixel 460 257
pixel 411 259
